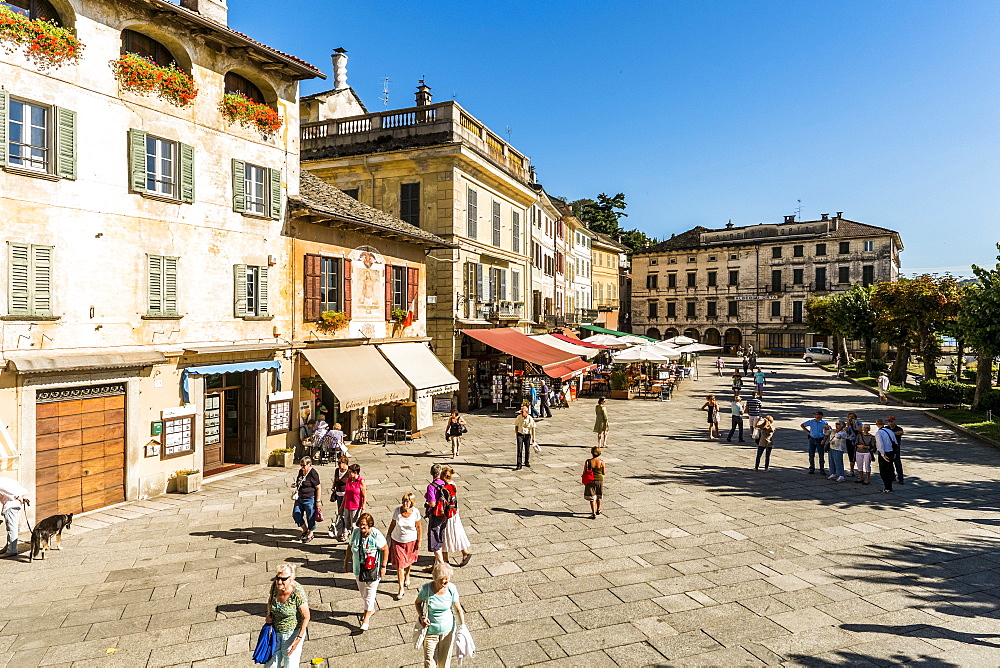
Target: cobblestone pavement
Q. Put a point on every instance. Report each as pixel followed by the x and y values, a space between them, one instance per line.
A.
pixel 698 561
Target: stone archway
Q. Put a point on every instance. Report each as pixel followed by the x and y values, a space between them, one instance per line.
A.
pixel 713 337
pixel 653 333
pixel 692 333
pixel 670 333
pixel 733 339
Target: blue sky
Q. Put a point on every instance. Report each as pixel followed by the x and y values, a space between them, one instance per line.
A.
pixel 702 112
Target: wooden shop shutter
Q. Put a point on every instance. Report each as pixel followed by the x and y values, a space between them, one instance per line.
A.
pixel 274 203
pixel 137 160
pixel 388 291
pixel 240 283
pixel 311 287
pixel 239 186
pixel 347 288
pixel 413 290
pixel 187 172
pixel 65 148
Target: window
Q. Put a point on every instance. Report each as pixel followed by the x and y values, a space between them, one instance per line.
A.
pixel 734 256
pixel 691 306
pixel 515 286
pixel 323 287
pixel 798 276
pixel 161 167
pixel 409 203
pixel 672 260
pixel 843 274
pixel 869 246
pixel 671 309
pixel 165 168
pixel 797 341
pixel 401 289
pixel 331 270
pixel 29 286
pixel 251 291
pixel 776 252
pixel 652 260
pixel 712 309
pixel 845 247
pixel 796 312
pixel 256 189
pixel 820 249
pixel 712 279
pixel 237 85
pixel 652 281
pixel 161 289
pixel 472 212
pixel 146 47
pixel 351 192
pixel 798 251
pixel 732 308
pixel 496 224
pixel 775 309
pixel 515 231
pixel 867 274
pixel 774 340
pixel 775 280
pixel 653 310
pixel 671 280
pixel 398 287
pixel 734 277
pixel 711 258
pixel 39 138
pixel 820 278
pixel 692 279
pixel 33 9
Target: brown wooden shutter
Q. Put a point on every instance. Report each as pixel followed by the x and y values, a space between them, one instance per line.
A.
pixel 413 289
pixel 347 288
pixel 311 288
pixel 388 291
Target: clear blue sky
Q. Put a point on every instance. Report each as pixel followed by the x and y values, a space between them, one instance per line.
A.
pixel 702 112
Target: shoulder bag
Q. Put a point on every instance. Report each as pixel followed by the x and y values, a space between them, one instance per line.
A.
pixel 368 571
pixel 296 485
pixel 588 474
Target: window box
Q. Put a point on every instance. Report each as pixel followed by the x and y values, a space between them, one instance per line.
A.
pixel 139 75
pixel 332 321
pixel 237 108
pixel 188 482
pixel 44 43
pixel 284 458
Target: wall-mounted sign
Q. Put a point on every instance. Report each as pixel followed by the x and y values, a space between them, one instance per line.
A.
pixel 155 428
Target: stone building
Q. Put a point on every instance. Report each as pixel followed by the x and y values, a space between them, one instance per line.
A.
pixel 610 259
pixel 547 242
pixel 145 267
pixel 750 284
pixel 579 288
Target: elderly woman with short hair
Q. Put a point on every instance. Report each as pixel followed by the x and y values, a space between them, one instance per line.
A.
pixel 288 611
pixel 368 551
pixel 437 603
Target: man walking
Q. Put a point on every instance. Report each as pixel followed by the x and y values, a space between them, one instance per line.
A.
pixel 524 430
pixel 545 400
pixel 883 387
pixel 720 365
pixel 758 380
pixel 13 498
pixel 897 431
pixel 746 365
pixel 737 408
pixel 885 443
pixel 753 408
pixel 817 428
pixel 533 401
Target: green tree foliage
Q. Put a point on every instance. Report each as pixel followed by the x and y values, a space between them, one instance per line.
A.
pixel 979 323
pixel 820 318
pixel 894 327
pixel 854 316
pixel 604 216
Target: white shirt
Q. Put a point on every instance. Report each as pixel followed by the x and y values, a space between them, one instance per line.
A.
pixel 883 383
pixel 9 489
pixel 838 441
pixel 405 530
pixel 884 440
pixel 736 407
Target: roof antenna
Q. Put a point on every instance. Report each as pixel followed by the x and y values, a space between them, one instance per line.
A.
pixel 385 92
pixel 798 211
pixel 508 134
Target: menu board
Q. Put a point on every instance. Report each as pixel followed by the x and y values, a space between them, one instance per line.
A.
pixel 213 419
pixel 177 437
pixel 279 416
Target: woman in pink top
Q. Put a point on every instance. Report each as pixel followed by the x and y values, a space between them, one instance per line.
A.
pixel 354 499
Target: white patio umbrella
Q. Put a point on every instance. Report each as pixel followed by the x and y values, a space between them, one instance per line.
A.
pixel 645 353
pixel 697 348
pixel 681 340
pixel 607 340
pixel 635 340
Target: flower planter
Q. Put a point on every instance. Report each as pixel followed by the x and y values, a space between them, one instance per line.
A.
pixel 138 75
pixel 621 394
pixel 281 459
pixel 332 321
pixel 238 109
pixel 189 483
pixel 44 43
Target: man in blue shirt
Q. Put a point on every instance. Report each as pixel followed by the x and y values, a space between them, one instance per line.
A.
pixel 817 428
pixel 758 379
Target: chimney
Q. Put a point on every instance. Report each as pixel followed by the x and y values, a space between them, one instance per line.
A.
pixel 840 214
pixel 339 58
pixel 215 10
pixel 790 218
pixel 824 216
pixel 423 94
pixel 729 225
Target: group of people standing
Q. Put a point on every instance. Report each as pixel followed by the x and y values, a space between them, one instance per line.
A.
pixel 854 439
pixel 761 426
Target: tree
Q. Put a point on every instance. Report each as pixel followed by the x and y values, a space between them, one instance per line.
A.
pixel 819 318
pixel 979 322
pixel 853 315
pixel 894 327
pixel 603 215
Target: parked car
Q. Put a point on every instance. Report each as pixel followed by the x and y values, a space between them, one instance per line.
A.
pixel 818 355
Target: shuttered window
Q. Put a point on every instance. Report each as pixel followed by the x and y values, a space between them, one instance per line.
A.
pixel 29 284
pixel 472 208
pixel 256 189
pixel 251 291
pixel 37 137
pixel 162 285
pixel 515 233
pixel 409 203
pixel 323 287
pixel 515 286
pixel 161 167
pixel 496 224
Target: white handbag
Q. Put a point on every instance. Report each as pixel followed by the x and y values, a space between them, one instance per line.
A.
pixel 419 633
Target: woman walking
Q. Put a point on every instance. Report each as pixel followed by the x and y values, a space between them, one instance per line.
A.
pixel 593 481
pixel 765 441
pixel 737 382
pixel 455 538
pixel 838 446
pixel 355 494
pixel 454 430
pixel 864 447
pixel 336 441
pixel 288 612
pixel 339 480
pixel 712 406
pixel 368 553
pixel 404 540
pixel 601 423
pixel 307 489
pixel 437 604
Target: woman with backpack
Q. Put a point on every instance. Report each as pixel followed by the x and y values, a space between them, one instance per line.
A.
pixel 368 552
pixel 593 481
pixel 454 431
pixel 435 510
pixel 455 538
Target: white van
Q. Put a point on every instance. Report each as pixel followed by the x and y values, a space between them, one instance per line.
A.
pixel 818 355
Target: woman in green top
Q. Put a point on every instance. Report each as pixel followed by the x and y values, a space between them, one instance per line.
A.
pixel 436 605
pixel 288 611
pixel 601 423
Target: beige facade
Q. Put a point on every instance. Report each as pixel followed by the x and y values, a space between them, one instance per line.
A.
pixel 749 285
pixel 609 260
pixel 132 267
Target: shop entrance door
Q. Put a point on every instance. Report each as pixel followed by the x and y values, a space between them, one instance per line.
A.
pixel 230 420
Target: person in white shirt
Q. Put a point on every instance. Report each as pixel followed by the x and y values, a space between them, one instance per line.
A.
pixel 885 442
pixel 404 540
pixel 13 498
pixel 524 429
pixel 883 387
pixel 737 408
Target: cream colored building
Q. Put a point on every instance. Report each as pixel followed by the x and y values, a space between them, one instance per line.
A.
pixel 749 285
pixel 610 261
pixel 579 273
pixel 149 277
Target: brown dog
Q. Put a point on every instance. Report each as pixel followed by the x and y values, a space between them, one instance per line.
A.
pixel 43 532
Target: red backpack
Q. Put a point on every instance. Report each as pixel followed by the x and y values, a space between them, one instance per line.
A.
pixel 447 504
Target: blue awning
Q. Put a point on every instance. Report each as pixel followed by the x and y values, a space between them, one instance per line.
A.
pixel 232 367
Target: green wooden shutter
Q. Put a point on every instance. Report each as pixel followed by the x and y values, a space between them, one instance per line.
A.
pixel 41 280
pixel 274 204
pixel 262 291
pixel 137 160
pixel 240 280
pixel 65 143
pixel 155 288
pixel 19 283
pixel 239 186
pixel 170 286
pixel 4 105
pixel 187 173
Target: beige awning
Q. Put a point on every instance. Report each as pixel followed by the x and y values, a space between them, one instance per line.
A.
pixel 234 348
pixel 358 375
pixel 47 362
pixel 420 367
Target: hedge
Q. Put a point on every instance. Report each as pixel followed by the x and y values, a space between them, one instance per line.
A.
pixel 938 391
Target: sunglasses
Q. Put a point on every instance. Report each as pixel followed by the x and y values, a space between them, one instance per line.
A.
pixel 278 578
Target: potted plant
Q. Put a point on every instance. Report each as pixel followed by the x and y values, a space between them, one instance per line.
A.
pixel 398 315
pixel 282 457
pixel 619 384
pixel 45 43
pixel 188 481
pixel 235 107
pixel 332 321
pixel 140 75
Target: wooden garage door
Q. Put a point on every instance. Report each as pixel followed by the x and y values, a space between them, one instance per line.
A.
pixel 80 443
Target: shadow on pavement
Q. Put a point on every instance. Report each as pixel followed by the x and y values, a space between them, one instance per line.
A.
pixel 525 512
pixel 857 660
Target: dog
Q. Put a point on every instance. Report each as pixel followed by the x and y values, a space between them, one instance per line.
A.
pixel 43 532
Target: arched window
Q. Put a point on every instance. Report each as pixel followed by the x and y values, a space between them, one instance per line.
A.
pixel 235 84
pixel 146 47
pixel 33 9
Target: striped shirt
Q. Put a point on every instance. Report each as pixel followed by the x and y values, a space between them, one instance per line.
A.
pixel 753 407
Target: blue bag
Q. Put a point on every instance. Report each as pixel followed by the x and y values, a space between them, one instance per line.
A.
pixel 267 644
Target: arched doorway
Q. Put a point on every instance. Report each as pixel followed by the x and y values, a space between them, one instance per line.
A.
pixel 733 339
pixel 670 333
pixel 692 333
pixel 653 333
pixel 712 337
